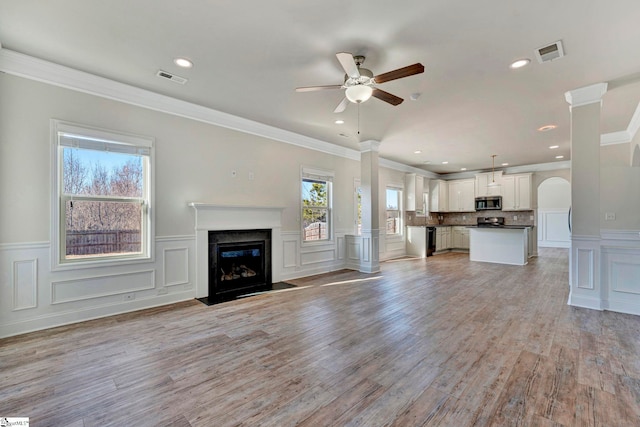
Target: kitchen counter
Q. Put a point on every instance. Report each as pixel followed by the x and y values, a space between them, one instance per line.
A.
pixel 501 245
pixel 513 227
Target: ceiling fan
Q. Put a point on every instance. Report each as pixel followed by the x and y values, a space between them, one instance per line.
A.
pixel 360 83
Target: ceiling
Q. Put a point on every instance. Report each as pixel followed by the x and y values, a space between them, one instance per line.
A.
pixel 249 56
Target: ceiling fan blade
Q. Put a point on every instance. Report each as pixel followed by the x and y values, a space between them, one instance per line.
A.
pixel 386 97
pixel 316 88
pixel 342 106
pixel 407 71
pixel 348 63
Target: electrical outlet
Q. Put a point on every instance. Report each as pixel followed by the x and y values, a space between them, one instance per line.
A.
pixel 464 217
pixel 163 291
pixel 610 216
pixel 530 217
pixel 251 176
pixel 129 297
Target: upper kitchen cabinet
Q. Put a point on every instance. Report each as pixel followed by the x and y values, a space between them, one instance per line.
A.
pixel 462 195
pixel 516 192
pixel 438 195
pixel 414 191
pixel 483 189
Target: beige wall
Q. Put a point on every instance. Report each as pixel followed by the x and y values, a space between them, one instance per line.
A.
pixel 619 188
pixel 193 162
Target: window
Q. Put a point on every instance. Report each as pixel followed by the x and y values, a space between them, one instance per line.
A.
pixel 316 205
pixel 102 195
pixel 358 205
pixel 394 198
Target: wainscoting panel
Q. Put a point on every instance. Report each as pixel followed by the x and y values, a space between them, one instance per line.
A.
pixel 290 254
pixel 176 266
pixel 585 264
pixel 553 228
pixel 100 286
pixel 621 276
pixel 39 298
pixel 25 284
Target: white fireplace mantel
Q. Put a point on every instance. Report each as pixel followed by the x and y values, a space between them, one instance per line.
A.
pixel 228 217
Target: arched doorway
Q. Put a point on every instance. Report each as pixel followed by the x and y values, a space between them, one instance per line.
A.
pixel 554 201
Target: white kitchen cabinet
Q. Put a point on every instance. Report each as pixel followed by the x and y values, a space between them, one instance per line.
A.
pixel 438 195
pixel 516 192
pixel 461 195
pixel 482 182
pixel 459 238
pixel 443 238
pixel 414 190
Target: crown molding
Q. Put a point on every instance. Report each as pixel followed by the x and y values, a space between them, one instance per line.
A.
pixel 586 95
pixel 25 66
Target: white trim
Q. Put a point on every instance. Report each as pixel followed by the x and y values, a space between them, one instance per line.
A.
pixel 586 95
pixel 614 138
pixel 57 129
pixel 633 235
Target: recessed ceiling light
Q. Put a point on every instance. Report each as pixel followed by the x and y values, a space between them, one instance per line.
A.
pixel 344 135
pixel 417 152
pixel 505 164
pixel 546 128
pixel 520 63
pixel 463 169
pixel 427 162
pixel 445 163
pixel 339 122
pixel 559 157
pixel 183 62
pixel 553 147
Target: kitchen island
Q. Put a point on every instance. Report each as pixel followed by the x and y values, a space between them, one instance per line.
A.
pixel 501 245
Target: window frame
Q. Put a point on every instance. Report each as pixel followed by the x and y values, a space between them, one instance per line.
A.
pixel 94 137
pixel 399 190
pixel 307 173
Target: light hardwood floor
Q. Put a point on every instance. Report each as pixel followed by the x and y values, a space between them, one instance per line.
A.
pixel 442 341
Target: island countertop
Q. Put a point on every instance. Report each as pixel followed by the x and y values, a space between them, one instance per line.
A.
pixel 502 245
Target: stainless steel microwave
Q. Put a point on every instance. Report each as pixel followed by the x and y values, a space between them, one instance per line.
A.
pixel 488 203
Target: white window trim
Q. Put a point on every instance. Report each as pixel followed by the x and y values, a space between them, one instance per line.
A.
pixel 399 188
pixel 325 175
pixel 141 142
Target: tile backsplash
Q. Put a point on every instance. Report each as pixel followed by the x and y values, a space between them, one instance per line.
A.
pixel 469 218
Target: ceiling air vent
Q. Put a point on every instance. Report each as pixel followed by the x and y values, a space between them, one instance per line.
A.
pixel 550 53
pixel 172 77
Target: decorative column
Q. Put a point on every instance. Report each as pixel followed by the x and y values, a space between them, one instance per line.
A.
pixel 369 164
pixel 584 274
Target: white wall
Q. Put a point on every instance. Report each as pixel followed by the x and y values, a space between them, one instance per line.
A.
pixel 194 161
pixel 554 200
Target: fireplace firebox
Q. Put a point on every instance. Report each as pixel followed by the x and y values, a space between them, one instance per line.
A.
pixel 239 263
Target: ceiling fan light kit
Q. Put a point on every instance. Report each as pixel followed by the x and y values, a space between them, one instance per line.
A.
pixel 360 83
pixel 358 93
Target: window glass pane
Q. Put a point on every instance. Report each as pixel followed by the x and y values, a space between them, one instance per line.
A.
pixel 393 222
pixel 359 211
pixel 392 198
pixel 315 224
pixel 314 193
pixel 102 173
pixel 102 228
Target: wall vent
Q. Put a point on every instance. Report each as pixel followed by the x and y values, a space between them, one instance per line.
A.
pixel 550 52
pixel 172 77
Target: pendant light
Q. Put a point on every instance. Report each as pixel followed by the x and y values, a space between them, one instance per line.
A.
pixel 493 182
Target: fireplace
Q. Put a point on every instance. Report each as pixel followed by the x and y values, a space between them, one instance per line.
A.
pixel 239 263
pixel 214 217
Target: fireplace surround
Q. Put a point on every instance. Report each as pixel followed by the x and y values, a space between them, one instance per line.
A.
pixel 213 217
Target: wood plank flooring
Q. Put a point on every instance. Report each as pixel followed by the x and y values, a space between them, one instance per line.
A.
pixel 442 341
